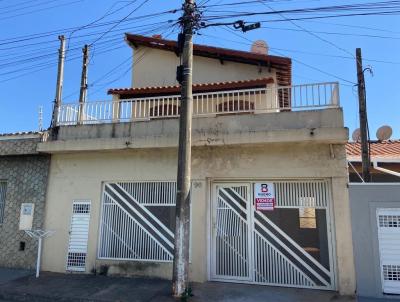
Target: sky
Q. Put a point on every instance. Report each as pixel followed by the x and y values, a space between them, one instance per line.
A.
pixel 322 50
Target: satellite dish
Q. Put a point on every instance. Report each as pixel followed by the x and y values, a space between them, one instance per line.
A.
pixel 384 133
pixel 260 47
pixel 356 135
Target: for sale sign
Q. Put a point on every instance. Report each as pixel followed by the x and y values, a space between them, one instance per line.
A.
pixel 264 196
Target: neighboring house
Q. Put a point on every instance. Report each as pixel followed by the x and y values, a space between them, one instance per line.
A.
pixel 112 185
pixel 375 209
pixel 23 185
pixel 385 160
pixel 376 218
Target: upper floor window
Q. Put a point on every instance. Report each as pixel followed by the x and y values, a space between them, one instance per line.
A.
pixel 3 188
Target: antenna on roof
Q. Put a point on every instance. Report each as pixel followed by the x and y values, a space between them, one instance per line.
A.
pixel 356 135
pixel 384 133
pixel 40 118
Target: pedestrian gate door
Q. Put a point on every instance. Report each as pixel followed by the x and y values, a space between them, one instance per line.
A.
pixel 389 249
pixel 290 245
pixel 78 236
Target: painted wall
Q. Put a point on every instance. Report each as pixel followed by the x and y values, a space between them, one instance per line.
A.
pixel 80 176
pixel 365 199
pixel 154 67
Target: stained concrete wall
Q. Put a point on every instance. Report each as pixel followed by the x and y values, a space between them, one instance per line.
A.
pixel 365 199
pixel 154 67
pixel 306 126
pixel 81 175
pixel 26 174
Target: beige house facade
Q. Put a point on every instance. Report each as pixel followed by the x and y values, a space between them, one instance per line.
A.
pixel 269 197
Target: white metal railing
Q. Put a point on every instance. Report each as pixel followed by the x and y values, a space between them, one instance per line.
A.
pixel 259 100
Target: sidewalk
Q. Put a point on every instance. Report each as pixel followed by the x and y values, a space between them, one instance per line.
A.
pixel 7 274
pixel 85 288
pixel 90 288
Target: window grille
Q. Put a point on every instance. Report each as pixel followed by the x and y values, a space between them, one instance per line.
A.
pixel 391 272
pixel 306 194
pixel 138 221
pixel 3 188
pixel 76 261
pixel 389 221
pixel 81 208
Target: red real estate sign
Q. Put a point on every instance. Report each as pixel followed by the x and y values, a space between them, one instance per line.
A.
pixel 264 196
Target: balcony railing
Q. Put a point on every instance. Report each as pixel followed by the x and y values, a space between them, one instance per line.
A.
pixel 259 100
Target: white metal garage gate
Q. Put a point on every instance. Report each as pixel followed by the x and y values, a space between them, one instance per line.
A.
pixel 288 246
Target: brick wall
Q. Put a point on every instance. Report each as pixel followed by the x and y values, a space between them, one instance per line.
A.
pixel 26 175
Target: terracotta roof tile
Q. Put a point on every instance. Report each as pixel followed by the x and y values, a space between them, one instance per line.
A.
pixel 22 133
pixel 389 149
pixel 207 87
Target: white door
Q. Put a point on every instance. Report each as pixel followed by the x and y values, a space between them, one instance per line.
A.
pixel 389 249
pixel 78 236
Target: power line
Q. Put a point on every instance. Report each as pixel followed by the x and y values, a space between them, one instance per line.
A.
pixel 296 60
pixel 354 26
pixel 24 58
pixel 119 22
pixel 19 4
pixel 333 33
pixel 45 65
pixel 106 14
pixel 42 9
pixel 138 60
pixel 309 32
pixel 386 13
pixel 29 6
pixel 302 51
pixel 23 38
pixel 374 8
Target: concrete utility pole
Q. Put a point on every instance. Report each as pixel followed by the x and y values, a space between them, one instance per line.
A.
pixel 83 90
pixel 363 118
pixel 60 80
pixel 180 278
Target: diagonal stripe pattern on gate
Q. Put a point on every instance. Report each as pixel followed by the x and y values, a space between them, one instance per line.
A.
pixel 232 235
pixel 156 232
pixel 286 247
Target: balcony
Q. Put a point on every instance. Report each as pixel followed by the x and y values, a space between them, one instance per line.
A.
pixel 210 104
pixel 296 114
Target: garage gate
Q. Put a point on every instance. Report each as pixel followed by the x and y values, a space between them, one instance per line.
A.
pixel 388 221
pixel 290 244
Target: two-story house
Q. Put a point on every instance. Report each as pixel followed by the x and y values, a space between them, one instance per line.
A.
pixel 112 184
